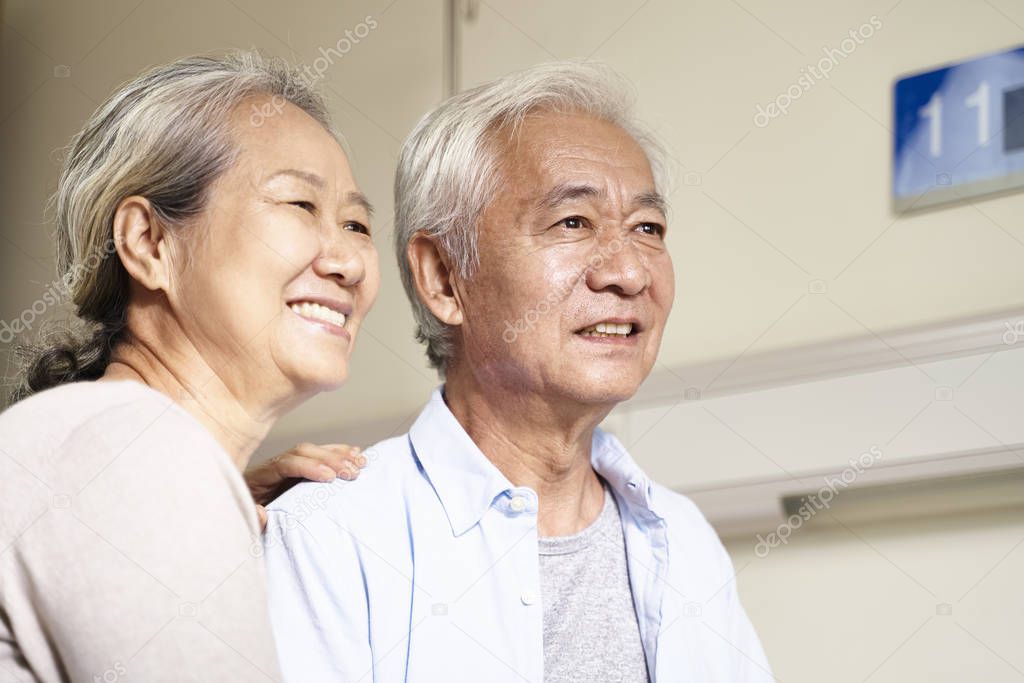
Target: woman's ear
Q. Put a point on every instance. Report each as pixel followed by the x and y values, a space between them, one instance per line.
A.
pixel 432 276
pixel 142 243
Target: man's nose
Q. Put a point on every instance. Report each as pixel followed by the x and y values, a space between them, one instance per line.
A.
pixel 617 264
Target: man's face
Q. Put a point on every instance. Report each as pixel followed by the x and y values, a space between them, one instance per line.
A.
pixel 575 281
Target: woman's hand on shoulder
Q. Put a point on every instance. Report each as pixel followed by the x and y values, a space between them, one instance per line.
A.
pixel 326 462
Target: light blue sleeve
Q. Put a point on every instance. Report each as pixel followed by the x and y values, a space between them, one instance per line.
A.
pixel 318 600
pixel 751 662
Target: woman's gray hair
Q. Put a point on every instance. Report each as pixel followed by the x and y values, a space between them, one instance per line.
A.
pixel 165 136
pixel 449 168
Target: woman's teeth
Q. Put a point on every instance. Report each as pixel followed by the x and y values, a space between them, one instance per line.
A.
pixel 608 330
pixel 318 312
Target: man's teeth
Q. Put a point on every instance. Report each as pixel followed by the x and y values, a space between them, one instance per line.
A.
pixel 317 312
pixel 608 330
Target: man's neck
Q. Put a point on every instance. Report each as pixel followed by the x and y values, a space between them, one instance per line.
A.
pixel 195 386
pixel 534 443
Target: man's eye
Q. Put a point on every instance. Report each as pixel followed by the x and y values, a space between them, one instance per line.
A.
pixel 572 222
pixel 305 206
pixel 655 229
pixel 357 227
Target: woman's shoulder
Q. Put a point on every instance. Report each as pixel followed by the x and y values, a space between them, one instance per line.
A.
pixel 68 434
pixel 50 416
pixel 79 401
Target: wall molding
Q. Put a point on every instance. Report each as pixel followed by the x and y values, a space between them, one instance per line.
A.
pixel 834 358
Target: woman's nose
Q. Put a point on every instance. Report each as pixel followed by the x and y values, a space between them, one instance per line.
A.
pixel 341 259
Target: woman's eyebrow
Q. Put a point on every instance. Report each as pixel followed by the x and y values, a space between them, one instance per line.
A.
pixel 311 178
pixel 359 199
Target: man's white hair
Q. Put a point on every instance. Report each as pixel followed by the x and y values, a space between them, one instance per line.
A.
pixel 449 168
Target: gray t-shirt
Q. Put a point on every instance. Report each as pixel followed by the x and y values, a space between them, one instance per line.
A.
pixel 590 627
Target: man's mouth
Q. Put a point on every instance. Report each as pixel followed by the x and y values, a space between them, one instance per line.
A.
pixel 315 311
pixel 610 329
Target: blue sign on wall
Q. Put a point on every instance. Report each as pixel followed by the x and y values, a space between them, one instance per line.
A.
pixel 959 131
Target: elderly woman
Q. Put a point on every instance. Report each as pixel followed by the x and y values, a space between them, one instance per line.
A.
pixel 210 229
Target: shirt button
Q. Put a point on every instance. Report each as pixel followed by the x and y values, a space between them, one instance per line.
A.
pixel 518 503
pixel 528 597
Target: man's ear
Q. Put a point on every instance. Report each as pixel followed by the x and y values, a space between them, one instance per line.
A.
pixel 432 277
pixel 142 243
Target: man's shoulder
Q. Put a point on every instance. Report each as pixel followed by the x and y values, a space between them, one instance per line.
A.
pixel 685 521
pixel 391 468
pixel 678 509
pixel 365 520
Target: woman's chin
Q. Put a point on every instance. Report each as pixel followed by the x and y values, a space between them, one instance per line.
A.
pixel 319 364
pixel 316 377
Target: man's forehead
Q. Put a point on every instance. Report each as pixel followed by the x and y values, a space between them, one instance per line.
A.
pixel 564 193
pixel 552 158
pixel 543 140
pixel 545 131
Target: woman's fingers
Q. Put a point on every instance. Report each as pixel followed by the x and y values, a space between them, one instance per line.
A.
pixel 292 465
pixel 323 463
pixel 344 461
pixel 320 463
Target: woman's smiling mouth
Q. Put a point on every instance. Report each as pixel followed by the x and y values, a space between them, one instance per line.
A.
pixel 327 318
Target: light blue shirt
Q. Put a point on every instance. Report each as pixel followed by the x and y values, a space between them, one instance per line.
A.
pixel 426 569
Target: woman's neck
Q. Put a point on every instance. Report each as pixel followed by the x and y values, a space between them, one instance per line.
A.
pixel 197 388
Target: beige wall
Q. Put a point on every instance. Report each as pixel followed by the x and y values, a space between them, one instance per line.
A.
pixel 864 601
pixel 760 213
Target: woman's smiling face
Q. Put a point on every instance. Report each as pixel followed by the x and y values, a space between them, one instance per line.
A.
pixel 282 268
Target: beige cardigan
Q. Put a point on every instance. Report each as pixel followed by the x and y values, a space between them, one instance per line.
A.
pixel 129 544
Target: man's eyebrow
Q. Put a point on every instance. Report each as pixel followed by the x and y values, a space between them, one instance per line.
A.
pixel 652 200
pixel 360 199
pixel 568 192
pixel 560 194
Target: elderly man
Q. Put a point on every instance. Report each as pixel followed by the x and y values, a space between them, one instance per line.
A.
pixel 506 537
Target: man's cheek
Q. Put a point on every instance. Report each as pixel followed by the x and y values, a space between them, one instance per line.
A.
pixel 665 284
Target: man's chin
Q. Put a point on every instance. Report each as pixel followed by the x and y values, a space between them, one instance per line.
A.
pixel 599 388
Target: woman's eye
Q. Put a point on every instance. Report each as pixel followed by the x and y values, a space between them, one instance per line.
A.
pixel 655 229
pixel 305 206
pixel 357 227
pixel 572 222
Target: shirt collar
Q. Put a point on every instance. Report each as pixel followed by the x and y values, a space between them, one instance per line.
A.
pixel 464 479
pixel 467 482
pixel 612 461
